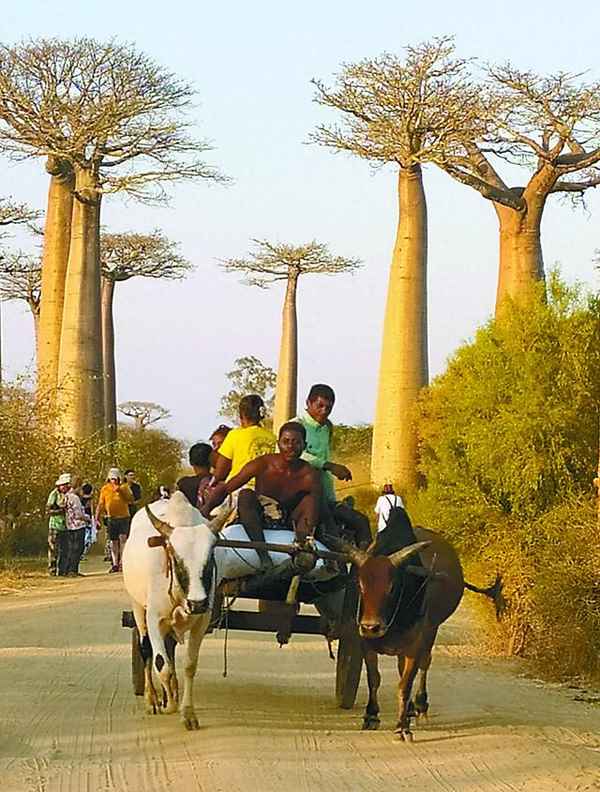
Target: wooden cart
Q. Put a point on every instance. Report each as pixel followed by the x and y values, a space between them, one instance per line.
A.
pixel 349 659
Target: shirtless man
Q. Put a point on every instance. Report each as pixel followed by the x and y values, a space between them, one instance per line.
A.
pixel 285 478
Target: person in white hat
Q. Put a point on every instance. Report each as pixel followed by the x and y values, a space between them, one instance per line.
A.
pixel 57 527
pixel 114 501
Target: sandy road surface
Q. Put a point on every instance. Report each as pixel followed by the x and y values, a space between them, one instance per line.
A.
pixel 69 720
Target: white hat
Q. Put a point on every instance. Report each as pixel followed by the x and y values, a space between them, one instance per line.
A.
pixel 64 478
pixel 114 473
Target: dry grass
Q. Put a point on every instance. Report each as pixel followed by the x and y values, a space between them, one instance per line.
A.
pixel 21 573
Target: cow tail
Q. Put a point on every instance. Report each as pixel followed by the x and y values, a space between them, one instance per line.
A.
pixel 493 592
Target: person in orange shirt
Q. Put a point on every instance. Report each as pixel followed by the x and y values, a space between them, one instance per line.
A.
pixel 114 500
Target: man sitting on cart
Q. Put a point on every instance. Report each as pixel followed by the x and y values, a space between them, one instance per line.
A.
pixel 287 491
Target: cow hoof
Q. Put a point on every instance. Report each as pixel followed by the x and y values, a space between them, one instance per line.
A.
pixel 404 735
pixel 169 709
pixel 190 721
pixel 370 723
pixel 153 709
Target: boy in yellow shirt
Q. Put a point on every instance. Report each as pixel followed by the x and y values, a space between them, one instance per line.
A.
pixel 249 441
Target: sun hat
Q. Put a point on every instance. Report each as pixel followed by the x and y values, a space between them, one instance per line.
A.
pixel 114 473
pixel 64 478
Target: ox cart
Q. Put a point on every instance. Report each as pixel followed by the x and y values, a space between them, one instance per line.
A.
pixel 288 584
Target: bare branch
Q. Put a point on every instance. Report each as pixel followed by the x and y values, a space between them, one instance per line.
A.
pixel 21 279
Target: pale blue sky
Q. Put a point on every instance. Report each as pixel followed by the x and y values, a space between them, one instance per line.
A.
pixel 252 64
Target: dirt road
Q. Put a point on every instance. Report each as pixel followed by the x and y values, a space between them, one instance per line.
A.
pixel 69 721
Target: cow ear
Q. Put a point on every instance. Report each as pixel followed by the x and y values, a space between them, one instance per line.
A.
pixel 156 541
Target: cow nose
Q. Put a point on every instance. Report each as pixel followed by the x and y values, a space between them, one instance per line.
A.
pixel 197 606
pixel 370 629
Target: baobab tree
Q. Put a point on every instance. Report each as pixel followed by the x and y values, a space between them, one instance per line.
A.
pixel 117 119
pixel 272 262
pixel 143 413
pixel 406 113
pixel 21 279
pixel 122 257
pixel 547 126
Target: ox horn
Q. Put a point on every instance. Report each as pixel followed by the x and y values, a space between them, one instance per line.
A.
pixel 400 556
pixel 163 528
pixel 221 518
pixel 354 554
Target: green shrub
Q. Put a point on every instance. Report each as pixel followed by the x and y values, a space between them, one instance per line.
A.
pixel 509 446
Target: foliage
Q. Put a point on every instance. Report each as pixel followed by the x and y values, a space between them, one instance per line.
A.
pixel 33 456
pixel 249 375
pixel 270 262
pixel 153 454
pixel 143 413
pixel 352 441
pixel 509 446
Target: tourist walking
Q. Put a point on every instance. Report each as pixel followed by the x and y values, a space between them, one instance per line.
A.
pixel 114 501
pixel 57 528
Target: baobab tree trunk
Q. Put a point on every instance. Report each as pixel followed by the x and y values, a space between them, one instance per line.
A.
pixel 521 265
pixel 36 329
pixel 108 361
pixel 404 368
pixel 80 396
pixel 521 262
pixel 287 373
pixel 57 239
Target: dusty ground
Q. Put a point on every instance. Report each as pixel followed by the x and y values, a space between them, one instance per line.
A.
pixel 69 720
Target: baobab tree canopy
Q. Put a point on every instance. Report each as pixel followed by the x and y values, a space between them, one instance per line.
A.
pixel 408 111
pixel 129 255
pixel 101 106
pixel 271 262
pixel 143 413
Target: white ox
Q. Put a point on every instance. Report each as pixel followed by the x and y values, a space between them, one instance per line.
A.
pixel 171 570
pixel 170 577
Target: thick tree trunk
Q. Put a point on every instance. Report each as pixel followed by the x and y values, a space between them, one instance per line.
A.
pixel 521 265
pixel 404 360
pixel 80 396
pixel 521 262
pixel 108 361
pixel 287 373
pixel 57 239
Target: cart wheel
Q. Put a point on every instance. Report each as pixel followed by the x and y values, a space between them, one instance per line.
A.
pixel 349 654
pixel 137 664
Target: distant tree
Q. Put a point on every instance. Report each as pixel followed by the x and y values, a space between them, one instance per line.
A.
pixel 406 112
pixel 112 120
pixel 122 257
pixel 269 263
pixel 21 279
pixel 143 413
pixel 249 375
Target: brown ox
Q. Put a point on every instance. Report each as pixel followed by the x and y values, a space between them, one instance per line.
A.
pixel 407 589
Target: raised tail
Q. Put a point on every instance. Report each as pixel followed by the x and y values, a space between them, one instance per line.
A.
pixel 494 592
